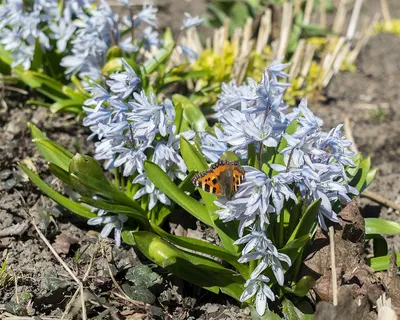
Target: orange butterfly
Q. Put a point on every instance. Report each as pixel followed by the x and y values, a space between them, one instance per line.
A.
pixel 221 179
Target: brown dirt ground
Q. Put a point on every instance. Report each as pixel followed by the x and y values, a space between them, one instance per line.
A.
pixel 370 96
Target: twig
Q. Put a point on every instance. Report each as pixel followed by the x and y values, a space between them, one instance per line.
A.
pixel 264 31
pixel 72 300
pixel 333 265
pixel 363 40
pixel 353 20
pixel 70 303
pixel 349 134
pixel 385 11
pixel 307 11
pixel 286 25
pixel 379 199
pixel 41 235
pixel 340 17
pixel 123 295
pixel 322 12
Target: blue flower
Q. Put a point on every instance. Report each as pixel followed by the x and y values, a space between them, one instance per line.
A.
pixel 110 222
pixel 124 83
pixel 212 146
pixel 189 21
pixel 260 287
pixel 146 15
pixel 62 32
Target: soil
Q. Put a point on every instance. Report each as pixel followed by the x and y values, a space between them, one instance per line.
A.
pixel 35 280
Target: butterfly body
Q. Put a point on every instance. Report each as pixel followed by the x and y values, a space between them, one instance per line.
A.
pixel 221 179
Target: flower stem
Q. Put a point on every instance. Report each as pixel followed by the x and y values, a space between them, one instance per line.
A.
pixel 290 160
pixel 281 229
pixel 117 177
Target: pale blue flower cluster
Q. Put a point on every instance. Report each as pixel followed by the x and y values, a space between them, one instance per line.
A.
pixel 97 31
pixel 132 127
pixel 82 33
pixel 313 168
pixel 21 27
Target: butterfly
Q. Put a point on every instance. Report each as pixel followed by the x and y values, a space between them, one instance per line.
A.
pixel 222 178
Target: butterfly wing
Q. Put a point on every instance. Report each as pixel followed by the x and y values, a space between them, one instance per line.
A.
pixel 208 181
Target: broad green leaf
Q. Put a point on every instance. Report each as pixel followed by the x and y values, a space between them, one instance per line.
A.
pixel 71 105
pixel 54 153
pixel 60 173
pixel 162 181
pixel 268 315
pixel 381 226
pixel 359 179
pixel 88 179
pixel 229 156
pixel 383 263
pixel 302 287
pixel 114 52
pixel 307 221
pixel 293 247
pixel 187 184
pixel 194 160
pixel 128 238
pixel 370 177
pixel 139 215
pixel 191 113
pixel 380 246
pixel 27 77
pixel 160 57
pixel 37 61
pixel 290 311
pixel 35 132
pixel 60 199
pixel 182 75
pixel 196 269
pixel 203 247
pixel 252 155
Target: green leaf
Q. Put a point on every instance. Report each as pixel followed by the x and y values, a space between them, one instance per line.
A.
pixel 370 177
pixel 381 226
pixel 196 269
pixel 252 155
pixel 60 173
pixel 203 247
pixel 37 61
pixel 114 52
pixel 35 132
pixel 302 287
pixel 383 263
pixel 61 200
pixel 127 237
pixel 74 106
pixel 307 222
pixel 293 247
pixel 152 64
pixel 191 113
pixel 54 153
pixel 194 160
pixel 290 311
pixel 380 246
pixel 138 215
pixel 162 181
pixel 362 173
pixel 88 179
